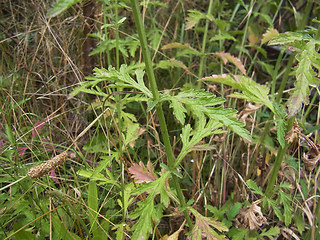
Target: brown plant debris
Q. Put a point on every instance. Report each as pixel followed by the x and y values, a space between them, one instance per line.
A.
pixel 311 158
pixel 249 109
pixel 251 217
pixel 44 168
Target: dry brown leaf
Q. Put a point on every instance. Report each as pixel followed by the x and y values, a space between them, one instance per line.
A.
pixel 311 158
pixel 175 235
pixel 249 109
pixel 252 216
pixel 288 231
pixel 294 132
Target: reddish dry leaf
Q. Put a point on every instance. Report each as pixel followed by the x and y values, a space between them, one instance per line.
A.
pixel 228 57
pixel 142 174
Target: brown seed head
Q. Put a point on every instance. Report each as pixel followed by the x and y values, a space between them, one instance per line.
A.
pixel 44 168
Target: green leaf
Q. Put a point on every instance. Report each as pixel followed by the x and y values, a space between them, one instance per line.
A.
pixel 223 36
pixel 281 132
pixel 84 87
pixel 60 231
pixel 251 90
pixel 234 210
pixel 97 177
pixel 9 134
pixel 305 75
pixel 195 100
pixel 97 144
pixel 302 43
pixel 275 207
pixel 168 64
pixel 299 220
pixel 204 225
pixel 61 6
pixel 265 16
pixel 93 203
pixel 190 138
pixel 226 117
pixel 271 233
pixel 252 185
pixel 194 16
pixel 117 78
pixel 178 111
pixel 144 225
pixel 146 211
pixel 154 37
pixel 219 213
pixel 290 38
pixel 126 197
pixel 131 132
pixel 238 233
pixel 122 78
pixel 133 46
pixel 103 165
pixel 201 105
pixel 286 199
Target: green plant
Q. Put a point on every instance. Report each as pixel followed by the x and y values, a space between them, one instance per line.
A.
pixel 134 155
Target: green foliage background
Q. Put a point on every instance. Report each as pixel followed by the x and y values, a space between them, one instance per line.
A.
pixel 197 119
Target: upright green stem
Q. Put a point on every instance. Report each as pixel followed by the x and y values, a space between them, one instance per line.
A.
pixel 106 31
pixel 277 163
pixel 162 121
pixel 118 110
pixel 117 34
pixel 277 100
pixel 204 43
pixel 306 15
pixel 285 77
pixel 252 2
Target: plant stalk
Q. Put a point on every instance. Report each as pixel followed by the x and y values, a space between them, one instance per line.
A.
pixel 162 121
pixel 277 163
pixel 277 100
pixel 204 43
pixel 281 151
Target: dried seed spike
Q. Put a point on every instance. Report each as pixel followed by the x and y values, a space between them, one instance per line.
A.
pixel 44 168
